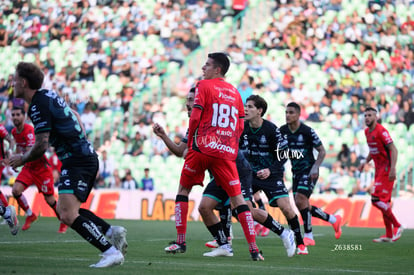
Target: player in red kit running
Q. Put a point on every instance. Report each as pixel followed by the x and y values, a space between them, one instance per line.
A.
pixel 4 153
pixel 384 153
pixel 216 124
pixel 37 172
pixel 8 212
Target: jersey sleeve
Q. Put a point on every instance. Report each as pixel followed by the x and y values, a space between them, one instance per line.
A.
pixel 199 96
pixel 316 141
pixel 39 113
pixel 385 137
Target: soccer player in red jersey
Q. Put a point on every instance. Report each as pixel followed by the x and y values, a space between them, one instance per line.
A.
pixel 4 135
pixel 216 124
pixel 38 172
pixel 384 153
pixel 8 212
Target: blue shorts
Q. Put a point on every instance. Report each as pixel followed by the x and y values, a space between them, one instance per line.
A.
pixel 78 176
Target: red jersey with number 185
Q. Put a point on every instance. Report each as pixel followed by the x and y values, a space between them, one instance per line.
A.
pixel 25 139
pixel 377 141
pixel 221 123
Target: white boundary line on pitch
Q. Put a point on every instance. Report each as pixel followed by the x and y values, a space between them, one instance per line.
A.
pixel 215 265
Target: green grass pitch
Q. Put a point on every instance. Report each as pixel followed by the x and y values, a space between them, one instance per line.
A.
pixel 41 250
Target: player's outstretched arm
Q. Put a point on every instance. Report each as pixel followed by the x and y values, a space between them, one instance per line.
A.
pixel 176 149
pixel 37 151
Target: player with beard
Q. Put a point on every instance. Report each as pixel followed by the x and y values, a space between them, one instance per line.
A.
pixel 384 154
pixel 36 172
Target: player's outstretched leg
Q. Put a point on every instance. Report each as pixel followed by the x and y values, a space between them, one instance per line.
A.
pixel 335 220
pixel 181 211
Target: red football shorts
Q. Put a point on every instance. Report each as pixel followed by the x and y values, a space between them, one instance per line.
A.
pixel 383 188
pixel 224 172
pixel 41 177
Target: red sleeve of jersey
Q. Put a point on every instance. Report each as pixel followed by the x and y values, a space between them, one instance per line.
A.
pixel 193 124
pixel 199 96
pixel 385 136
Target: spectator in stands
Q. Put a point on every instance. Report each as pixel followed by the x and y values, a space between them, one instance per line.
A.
pixel 147 182
pixel 4 35
pixel 136 145
pixel 29 41
pixel 288 81
pixel 4 91
pixel 316 115
pixel 344 155
pixel 129 182
pixel 365 182
pixel 352 165
pixel 335 180
pixel 104 102
pixel 158 148
pixel 354 65
pixel 238 7
pixel 106 168
pixel 115 181
pixel 86 72
pixel 88 118
pixel 178 53
pixel 245 89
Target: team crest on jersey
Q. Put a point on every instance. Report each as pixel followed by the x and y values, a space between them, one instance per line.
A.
pixel 300 138
pixel 263 139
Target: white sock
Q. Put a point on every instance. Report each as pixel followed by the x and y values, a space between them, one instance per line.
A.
pixel 111 250
pixel 29 212
pixel 332 219
pixel 109 232
pixel 6 213
pixel 308 235
pixel 284 234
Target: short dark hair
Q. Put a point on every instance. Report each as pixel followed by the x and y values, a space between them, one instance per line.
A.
pixel 192 90
pixel 369 108
pixel 221 60
pixel 294 105
pixel 259 103
pixel 32 73
pixel 19 108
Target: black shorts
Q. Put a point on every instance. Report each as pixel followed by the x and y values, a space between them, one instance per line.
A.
pixel 302 183
pixel 245 174
pixel 273 187
pixel 78 176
